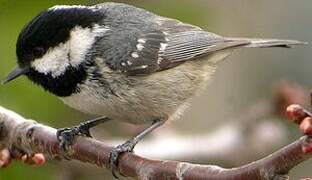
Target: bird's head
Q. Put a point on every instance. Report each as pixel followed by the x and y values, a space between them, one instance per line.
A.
pixel 52 47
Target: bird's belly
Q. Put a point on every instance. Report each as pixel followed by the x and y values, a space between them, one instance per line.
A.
pixel 143 99
pixel 111 108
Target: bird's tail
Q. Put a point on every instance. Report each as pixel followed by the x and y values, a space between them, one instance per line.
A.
pixel 267 43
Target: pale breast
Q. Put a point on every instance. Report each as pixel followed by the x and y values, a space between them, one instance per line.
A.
pixel 142 99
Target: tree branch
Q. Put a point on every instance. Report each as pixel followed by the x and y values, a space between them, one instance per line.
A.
pixel 240 139
pixel 31 137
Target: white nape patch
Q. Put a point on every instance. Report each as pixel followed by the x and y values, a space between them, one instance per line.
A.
pixel 58 7
pixel 81 40
pixel 135 55
pixel 72 52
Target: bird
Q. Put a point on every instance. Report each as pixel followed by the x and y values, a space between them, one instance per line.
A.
pixel 122 63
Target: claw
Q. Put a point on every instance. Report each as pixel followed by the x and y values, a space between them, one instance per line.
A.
pixel 116 152
pixel 66 139
pixel 66 136
pixel 128 146
pixel 113 160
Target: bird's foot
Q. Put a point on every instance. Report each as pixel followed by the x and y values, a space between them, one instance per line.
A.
pixel 66 136
pixel 129 145
pixel 117 151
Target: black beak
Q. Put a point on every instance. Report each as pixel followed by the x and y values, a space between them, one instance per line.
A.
pixel 18 71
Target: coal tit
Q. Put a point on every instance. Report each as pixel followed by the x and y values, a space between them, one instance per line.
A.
pixel 122 62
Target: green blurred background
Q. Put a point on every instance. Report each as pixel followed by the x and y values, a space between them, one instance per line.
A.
pixel 242 79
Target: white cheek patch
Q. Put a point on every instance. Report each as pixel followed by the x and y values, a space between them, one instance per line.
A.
pixel 71 53
pixel 54 61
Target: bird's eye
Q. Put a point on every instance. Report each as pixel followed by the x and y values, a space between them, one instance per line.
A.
pixel 38 51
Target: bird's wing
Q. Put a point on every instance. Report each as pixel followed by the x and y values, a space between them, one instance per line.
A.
pixel 140 42
pixel 139 50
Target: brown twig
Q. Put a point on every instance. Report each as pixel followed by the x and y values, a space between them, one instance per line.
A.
pixel 30 137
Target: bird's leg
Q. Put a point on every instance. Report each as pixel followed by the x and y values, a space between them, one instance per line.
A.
pixel 129 145
pixel 66 136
